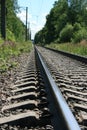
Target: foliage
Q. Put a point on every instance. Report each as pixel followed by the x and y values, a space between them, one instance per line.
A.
pixel 1 40
pixel 66 33
pixel 54 22
pixel 80 48
pixel 10 49
pixel 76 27
pixel 60 16
pixel 80 35
pixel 14 24
pixel 10 35
pixel 15 31
pixel 65 16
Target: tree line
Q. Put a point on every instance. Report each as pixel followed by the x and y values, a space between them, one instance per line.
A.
pixel 66 22
pixel 15 28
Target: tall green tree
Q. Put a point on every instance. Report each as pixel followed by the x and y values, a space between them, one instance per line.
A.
pixel 55 21
pixel 13 23
pixel 60 14
pixel 62 18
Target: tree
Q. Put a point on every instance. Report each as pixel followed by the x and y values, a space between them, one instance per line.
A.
pixel 61 19
pixel 14 24
pixel 77 5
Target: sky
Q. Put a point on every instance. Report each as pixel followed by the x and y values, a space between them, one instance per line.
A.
pixel 37 12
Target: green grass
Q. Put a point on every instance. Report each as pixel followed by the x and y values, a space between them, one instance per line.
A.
pixel 79 48
pixel 1 40
pixel 10 49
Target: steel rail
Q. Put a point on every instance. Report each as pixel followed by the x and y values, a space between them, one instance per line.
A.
pixel 71 55
pixel 67 116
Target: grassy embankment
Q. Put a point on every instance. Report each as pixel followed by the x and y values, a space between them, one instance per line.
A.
pixel 77 48
pixel 10 49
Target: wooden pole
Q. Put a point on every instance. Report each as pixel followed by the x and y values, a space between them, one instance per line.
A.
pixel 3 19
pixel 26 21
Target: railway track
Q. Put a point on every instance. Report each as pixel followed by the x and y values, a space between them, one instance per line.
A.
pixel 36 102
pixel 71 77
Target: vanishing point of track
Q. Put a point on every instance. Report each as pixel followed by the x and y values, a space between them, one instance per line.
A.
pixel 36 102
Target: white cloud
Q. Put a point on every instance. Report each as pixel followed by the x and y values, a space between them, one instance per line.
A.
pixel 36 22
pixel 22 16
pixel 35 28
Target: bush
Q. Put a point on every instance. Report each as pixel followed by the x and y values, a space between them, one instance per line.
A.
pixel 66 33
pixel 10 35
pixel 1 40
pixel 77 27
pixel 80 35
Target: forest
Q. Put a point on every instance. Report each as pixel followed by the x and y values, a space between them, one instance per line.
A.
pixel 15 29
pixel 66 22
